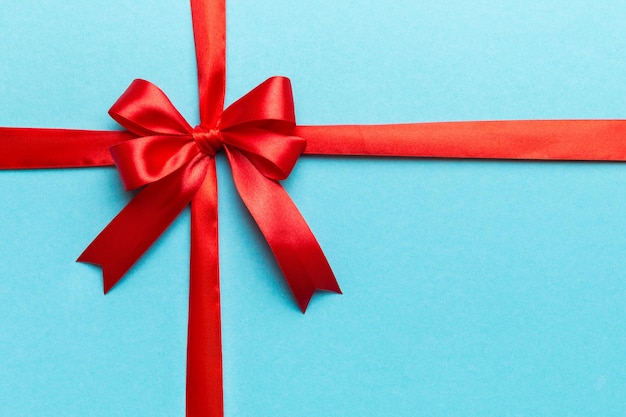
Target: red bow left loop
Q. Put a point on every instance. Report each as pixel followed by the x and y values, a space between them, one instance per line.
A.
pixel 170 158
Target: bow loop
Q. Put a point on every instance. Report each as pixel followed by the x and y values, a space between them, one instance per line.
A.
pixel 273 154
pixel 145 110
pixel 148 159
pixel 268 106
pixel 260 123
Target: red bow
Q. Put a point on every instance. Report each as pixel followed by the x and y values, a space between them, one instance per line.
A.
pixel 171 159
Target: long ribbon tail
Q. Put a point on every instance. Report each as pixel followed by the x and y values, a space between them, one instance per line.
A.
pixel 26 148
pixel 209 28
pixel 297 251
pixel 204 344
pixel 578 140
pixel 142 221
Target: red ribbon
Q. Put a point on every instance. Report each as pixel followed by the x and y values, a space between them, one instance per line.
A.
pixel 171 159
pixel 175 165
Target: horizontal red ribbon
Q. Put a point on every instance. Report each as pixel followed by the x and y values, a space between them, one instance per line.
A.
pixel 28 148
pixel 175 165
pixel 578 140
pixel 573 140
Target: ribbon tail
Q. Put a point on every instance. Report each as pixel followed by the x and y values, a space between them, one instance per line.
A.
pixel 142 221
pixel 204 344
pixel 26 148
pixel 574 140
pixel 297 251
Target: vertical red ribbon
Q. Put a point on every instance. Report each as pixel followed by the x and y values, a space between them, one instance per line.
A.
pixel 204 343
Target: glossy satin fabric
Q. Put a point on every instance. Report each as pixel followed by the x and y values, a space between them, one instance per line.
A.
pixel 574 140
pixel 170 158
pixel 174 164
pixel 26 148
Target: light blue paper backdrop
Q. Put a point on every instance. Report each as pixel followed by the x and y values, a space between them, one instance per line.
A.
pixel 472 288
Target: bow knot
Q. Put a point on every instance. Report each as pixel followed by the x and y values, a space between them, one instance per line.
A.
pixel 209 141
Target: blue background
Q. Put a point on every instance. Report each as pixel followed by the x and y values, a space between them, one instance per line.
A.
pixel 473 288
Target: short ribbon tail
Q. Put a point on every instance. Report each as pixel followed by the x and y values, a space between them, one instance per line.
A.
pixel 142 221
pixel 297 251
pixel 574 140
pixel 26 148
pixel 204 345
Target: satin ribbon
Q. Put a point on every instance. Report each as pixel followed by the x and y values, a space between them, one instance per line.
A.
pixel 175 164
pixel 171 159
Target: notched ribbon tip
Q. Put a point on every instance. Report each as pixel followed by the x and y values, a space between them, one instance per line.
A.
pixel 304 288
pixel 109 277
pixel 304 302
